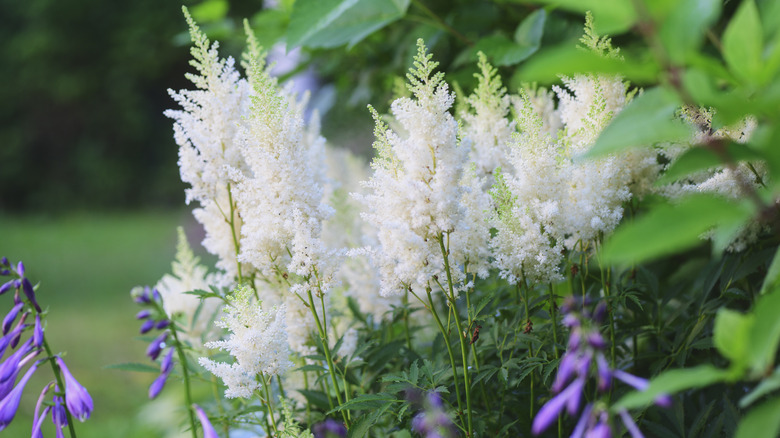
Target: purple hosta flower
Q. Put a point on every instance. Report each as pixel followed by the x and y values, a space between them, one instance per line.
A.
pixel 433 421
pixel 27 287
pixel 10 402
pixel 147 325
pixel 165 369
pixel 640 384
pixel 585 347
pixel 329 428
pixel 38 332
pixel 11 317
pixel 7 285
pixel 38 422
pixel 77 398
pixel 157 345
pixel 162 324
pixel 144 314
pixel 208 429
pixel 9 367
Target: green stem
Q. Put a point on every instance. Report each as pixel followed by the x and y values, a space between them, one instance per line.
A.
pixel 461 336
pixel 56 370
pixel 236 245
pixel 326 349
pixel 269 403
pixel 186 376
pixel 220 408
pixel 444 335
pixel 406 321
pixel 474 350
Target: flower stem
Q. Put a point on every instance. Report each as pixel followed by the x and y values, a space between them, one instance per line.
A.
pixel 186 376
pixel 269 402
pixel 55 369
pixel 326 349
pixel 461 335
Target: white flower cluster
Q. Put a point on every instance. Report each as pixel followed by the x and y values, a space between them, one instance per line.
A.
pixel 258 342
pixel 188 275
pixel 415 191
pixel 206 130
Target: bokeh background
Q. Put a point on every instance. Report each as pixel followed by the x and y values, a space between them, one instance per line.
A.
pixel 90 195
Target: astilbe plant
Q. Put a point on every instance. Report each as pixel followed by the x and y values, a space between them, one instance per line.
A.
pixel 442 317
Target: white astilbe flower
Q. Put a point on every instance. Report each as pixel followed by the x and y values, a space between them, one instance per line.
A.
pixel 358 277
pixel 206 129
pixel 257 341
pixel 729 182
pixel 279 197
pixel 415 194
pixel 188 275
pixel 488 129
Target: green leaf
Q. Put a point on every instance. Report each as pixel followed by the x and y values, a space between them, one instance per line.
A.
pixel 646 120
pixel 333 23
pixel 772 274
pixel 765 334
pixel 529 32
pixel 315 398
pixel 699 158
pixel 768 385
pixel 134 366
pixel 683 30
pixel 609 16
pixel 500 50
pixel 731 336
pixel 669 228
pixel 367 401
pixel 360 428
pixel 566 60
pixel 209 11
pixel 743 42
pixel 671 382
pixel 761 422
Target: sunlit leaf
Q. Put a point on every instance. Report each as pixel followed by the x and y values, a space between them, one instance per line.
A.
pixel 761 422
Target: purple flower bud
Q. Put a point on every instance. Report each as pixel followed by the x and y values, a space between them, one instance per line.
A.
pixel 143 297
pixel 6 340
pixel 579 429
pixel 58 414
pixel 575 338
pixel 6 286
pixel 77 398
pixel 155 294
pixel 162 324
pixel 208 429
pixel 601 430
pixel 11 317
pixel 630 425
pixel 158 385
pixel 664 400
pixel 157 346
pixel 571 320
pixel 605 374
pixel 329 428
pixel 38 422
pixel 419 424
pixel 630 379
pixel 550 411
pixel 565 371
pixel 28 290
pixel 596 340
pixel 573 403
pixel 143 314
pixel 8 368
pixel 20 268
pixel 434 400
pixel 147 325
pixel 4 272
pixel 584 363
pixel 38 332
pixel 4 261
pixel 600 312
pixel 10 403
pixel 167 362
pixel 17 332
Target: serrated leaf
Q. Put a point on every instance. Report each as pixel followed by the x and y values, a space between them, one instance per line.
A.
pixel 762 421
pixel 366 401
pixel 360 428
pixel 669 228
pixel 134 366
pixel 646 120
pixel 414 373
pixel 743 42
pixel 731 336
pixel 671 382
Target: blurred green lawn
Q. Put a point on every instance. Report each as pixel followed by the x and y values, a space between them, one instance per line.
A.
pixel 86 265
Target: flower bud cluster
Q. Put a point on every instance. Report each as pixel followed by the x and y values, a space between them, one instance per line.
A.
pixel 432 421
pixel 585 357
pixel 77 399
pixel 154 317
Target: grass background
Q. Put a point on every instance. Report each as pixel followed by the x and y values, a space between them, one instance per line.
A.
pixel 86 265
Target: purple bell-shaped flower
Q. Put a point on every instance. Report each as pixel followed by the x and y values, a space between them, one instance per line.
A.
pixel 77 399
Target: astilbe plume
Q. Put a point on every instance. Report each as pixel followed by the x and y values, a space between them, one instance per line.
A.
pixel 415 192
pixel 206 130
pixel 257 342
